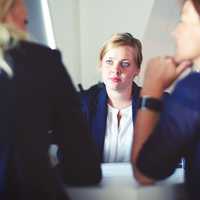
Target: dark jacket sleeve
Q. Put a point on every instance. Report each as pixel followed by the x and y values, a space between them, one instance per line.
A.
pixel 174 133
pixel 80 163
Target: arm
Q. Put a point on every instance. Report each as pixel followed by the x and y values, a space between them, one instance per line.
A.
pixel 145 122
pixel 80 163
pixel 154 86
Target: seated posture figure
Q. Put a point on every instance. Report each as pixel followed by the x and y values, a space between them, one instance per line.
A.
pixel 110 107
pixel 162 138
pixel 37 95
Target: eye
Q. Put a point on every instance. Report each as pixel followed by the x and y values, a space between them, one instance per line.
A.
pixel 109 61
pixel 124 64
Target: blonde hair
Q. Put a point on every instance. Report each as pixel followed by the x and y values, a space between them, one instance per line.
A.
pixel 10 35
pixel 123 39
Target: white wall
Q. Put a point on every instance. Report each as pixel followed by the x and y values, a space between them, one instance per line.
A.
pixel 36 25
pixel 81 26
pixel 65 21
pixel 157 39
pixel 99 20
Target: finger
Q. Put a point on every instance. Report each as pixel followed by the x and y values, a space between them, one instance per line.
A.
pixel 169 57
pixel 183 66
pixel 171 60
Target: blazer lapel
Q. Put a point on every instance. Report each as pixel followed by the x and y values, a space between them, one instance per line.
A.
pixel 135 97
pixel 99 119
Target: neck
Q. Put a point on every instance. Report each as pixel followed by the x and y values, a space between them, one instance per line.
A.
pixel 120 99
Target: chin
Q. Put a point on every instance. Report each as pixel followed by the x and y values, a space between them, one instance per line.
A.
pixel 178 59
pixel 114 87
pixel 182 57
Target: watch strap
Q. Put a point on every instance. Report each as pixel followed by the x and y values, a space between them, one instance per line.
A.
pixel 151 103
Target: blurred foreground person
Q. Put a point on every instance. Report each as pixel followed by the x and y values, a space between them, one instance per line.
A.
pixel 168 129
pixel 37 97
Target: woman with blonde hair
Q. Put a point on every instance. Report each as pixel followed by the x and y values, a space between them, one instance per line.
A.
pixel 10 33
pixel 110 107
pixel 164 135
pixel 38 100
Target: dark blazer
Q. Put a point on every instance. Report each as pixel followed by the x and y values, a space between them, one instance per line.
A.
pixel 40 99
pixel 176 135
pixel 94 106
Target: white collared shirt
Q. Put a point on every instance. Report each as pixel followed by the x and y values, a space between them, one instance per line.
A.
pixel 118 138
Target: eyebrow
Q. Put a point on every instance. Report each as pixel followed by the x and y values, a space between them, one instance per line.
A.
pixel 125 59
pixel 122 60
pixel 106 58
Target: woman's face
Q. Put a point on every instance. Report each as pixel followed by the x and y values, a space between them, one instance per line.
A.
pixel 18 15
pixel 118 68
pixel 187 34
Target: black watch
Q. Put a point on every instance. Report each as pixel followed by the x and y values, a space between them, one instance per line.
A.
pixel 151 103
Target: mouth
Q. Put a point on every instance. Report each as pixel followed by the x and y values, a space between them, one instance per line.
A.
pixel 115 79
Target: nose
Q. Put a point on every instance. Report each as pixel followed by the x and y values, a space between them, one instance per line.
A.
pixel 116 68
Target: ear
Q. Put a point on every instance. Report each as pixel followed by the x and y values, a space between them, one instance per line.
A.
pixel 137 71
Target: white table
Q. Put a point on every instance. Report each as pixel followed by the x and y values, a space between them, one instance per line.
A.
pixel 118 184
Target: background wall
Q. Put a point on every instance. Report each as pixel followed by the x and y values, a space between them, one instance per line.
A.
pixel 81 26
pixel 99 20
pixel 157 38
pixel 36 25
pixel 66 26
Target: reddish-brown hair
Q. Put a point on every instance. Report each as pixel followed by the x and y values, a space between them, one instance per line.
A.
pixel 196 5
pixel 123 39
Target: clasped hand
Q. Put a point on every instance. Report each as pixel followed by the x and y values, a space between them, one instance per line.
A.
pixel 161 72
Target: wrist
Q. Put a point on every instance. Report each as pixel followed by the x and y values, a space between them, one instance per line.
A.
pixel 154 91
pixel 150 103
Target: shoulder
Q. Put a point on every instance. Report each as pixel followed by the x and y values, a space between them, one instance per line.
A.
pixel 36 60
pixel 39 56
pixel 36 50
pixel 187 91
pixel 90 97
pixel 93 91
pixel 136 90
pixel 190 81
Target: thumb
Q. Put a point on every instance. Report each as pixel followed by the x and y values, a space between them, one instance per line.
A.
pixel 183 66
